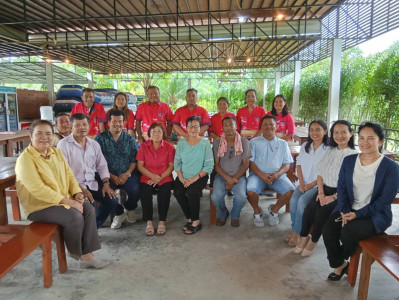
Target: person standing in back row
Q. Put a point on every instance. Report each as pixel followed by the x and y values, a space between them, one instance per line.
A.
pixel 154 110
pixel 95 111
pixel 191 109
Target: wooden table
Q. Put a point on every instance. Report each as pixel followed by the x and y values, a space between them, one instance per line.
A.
pixel 301 134
pixel 9 139
pixel 7 179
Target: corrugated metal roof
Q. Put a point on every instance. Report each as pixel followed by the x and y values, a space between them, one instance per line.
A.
pixel 129 36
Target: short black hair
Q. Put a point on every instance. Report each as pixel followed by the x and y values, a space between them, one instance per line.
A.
pixel 224 99
pixel 153 87
pixel 230 118
pixel 116 113
pixel 193 118
pixel 250 90
pixel 40 122
pixel 79 116
pixel 192 90
pixel 88 90
pixel 268 117
pixel 60 115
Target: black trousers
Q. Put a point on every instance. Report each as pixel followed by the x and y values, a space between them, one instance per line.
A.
pixel 341 242
pixel 163 199
pixel 316 215
pixel 189 198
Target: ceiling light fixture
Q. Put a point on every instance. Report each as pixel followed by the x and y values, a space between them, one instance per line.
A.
pixel 229 60
pixel 280 17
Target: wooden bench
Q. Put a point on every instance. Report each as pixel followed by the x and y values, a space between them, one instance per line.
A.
pixel 16 210
pixel 355 258
pixel 384 250
pixel 18 241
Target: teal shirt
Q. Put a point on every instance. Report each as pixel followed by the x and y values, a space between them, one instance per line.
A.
pixel 193 159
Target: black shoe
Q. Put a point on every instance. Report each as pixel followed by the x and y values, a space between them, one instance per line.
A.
pixel 336 277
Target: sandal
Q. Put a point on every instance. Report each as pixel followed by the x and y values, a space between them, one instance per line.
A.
pixel 193 229
pixel 149 230
pixel 161 230
pixel 185 227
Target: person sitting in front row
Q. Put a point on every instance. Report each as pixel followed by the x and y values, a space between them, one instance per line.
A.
pixel 155 162
pixel 49 193
pixel 231 153
pixel 270 161
pixel 367 185
pixel 193 162
pixel 85 158
pixel 320 207
pixel 119 149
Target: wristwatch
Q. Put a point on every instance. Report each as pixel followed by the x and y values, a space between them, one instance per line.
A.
pixel 106 182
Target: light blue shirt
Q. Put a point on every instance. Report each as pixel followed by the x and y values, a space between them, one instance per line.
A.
pixel 193 159
pixel 269 156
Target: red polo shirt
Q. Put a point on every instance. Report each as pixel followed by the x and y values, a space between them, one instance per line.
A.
pixel 285 124
pixel 217 125
pixel 127 124
pixel 148 113
pixel 156 161
pixel 97 115
pixel 183 113
pixel 248 123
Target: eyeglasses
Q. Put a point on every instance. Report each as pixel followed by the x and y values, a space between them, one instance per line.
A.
pixel 193 127
pixel 156 131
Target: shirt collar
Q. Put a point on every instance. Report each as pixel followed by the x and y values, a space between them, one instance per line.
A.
pixel 36 153
pixel 158 103
pixel 272 140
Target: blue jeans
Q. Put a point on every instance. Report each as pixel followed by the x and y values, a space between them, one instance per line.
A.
pixel 132 188
pixel 298 203
pixel 239 200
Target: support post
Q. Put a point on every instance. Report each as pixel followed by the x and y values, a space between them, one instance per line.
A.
pixel 295 97
pixel 335 82
pixel 277 84
pixel 189 83
pixel 50 82
pixel 264 92
pixel 90 79
pixel 115 83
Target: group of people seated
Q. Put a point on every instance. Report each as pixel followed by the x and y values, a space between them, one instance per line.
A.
pixel 341 194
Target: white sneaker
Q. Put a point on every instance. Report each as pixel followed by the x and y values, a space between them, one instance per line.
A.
pixel 95 263
pixel 273 218
pixel 258 221
pixel 131 216
pixel 118 220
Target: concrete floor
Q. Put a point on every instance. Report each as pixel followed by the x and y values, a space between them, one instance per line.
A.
pixel 216 263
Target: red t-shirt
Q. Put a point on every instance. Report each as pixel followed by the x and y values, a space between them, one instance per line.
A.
pixel 183 113
pixel 97 115
pixel 127 124
pixel 285 125
pixel 217 126
pixel 248 124
pixel 156 161
pixel 148 114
